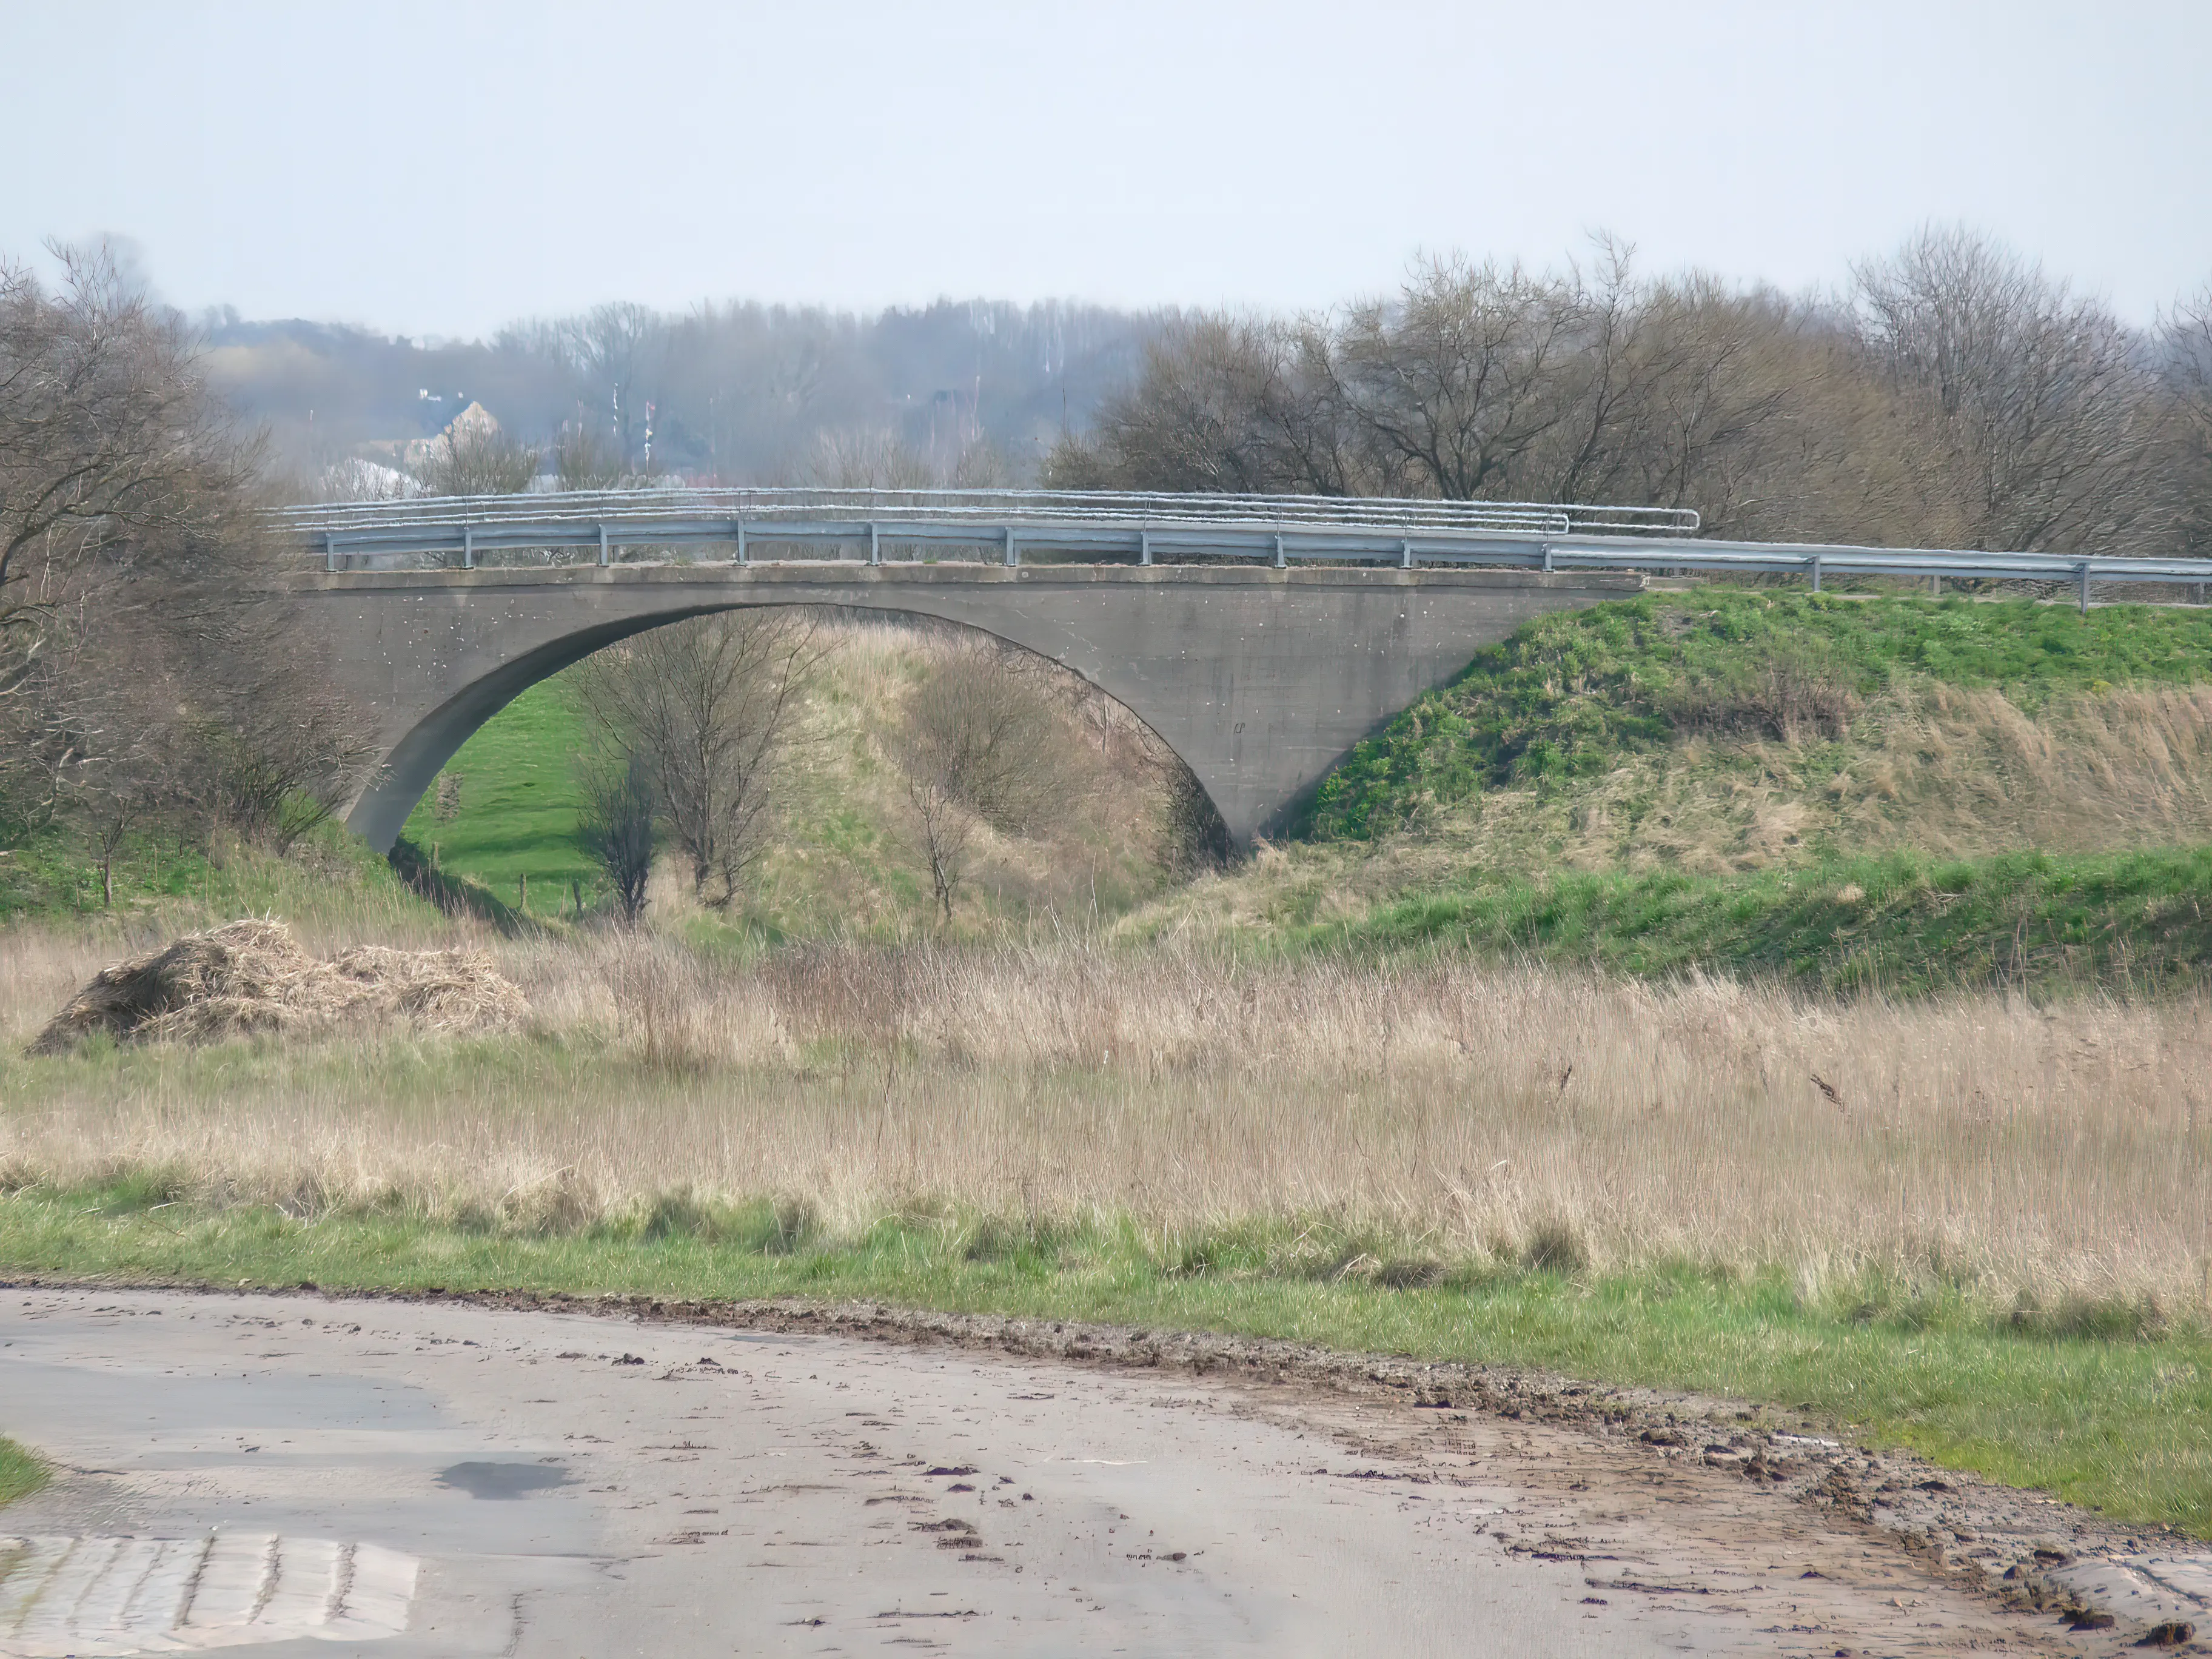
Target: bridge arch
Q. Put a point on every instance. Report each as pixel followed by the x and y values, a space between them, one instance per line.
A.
pixel 1259 679
pixel 411 767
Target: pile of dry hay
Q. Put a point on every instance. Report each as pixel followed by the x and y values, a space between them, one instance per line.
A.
pixel 252 976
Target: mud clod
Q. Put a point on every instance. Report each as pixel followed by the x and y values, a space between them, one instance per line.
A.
pixel 2171 1634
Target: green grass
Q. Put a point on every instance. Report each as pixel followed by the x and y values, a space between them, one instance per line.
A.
pixel 518 816
pixel 517 813
pixel 1570 694
pixel 330 875
pixel 2121 921
pixel 21 1472
pixel 2101 1406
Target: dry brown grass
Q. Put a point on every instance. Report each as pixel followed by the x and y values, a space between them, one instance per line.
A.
pixel 1968 772
pixel 851 847
pixel 1465 1112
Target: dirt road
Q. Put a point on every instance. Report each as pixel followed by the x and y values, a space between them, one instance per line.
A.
pixel 318 1475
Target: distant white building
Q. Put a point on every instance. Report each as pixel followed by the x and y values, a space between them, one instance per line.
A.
pixel 358 479
pixel 407 455
pixel 474 421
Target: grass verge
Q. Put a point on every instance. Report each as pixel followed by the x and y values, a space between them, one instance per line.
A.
pixel 1902 924
pixel 330 879
pixel 21 1473
pixel 2102 1408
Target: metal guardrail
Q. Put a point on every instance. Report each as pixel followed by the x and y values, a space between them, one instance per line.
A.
pixel 1117 527
pixel 1100 526
pixel 1041 509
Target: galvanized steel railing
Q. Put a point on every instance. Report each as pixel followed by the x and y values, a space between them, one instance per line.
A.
pixel 1099 523
pixel 1116 527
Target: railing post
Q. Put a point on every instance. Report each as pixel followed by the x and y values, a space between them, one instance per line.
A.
pixel 1936 587
pixel 330 551
pixel 1547 558
pixel 743 556
pixel 1144 547
pixel 1013 551
pixel 1406 554
pixel 875 547
pixel 606 552
pixel 1816 572
pixel 2082 571
pixel 1280 561
pixel 467 547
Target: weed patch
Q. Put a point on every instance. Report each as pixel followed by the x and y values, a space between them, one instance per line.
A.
pixel 21 1472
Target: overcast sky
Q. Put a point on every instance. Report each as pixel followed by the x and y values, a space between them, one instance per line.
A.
pixel 445 168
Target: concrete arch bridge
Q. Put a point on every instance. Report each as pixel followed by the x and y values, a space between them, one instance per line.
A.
pixel 1260 636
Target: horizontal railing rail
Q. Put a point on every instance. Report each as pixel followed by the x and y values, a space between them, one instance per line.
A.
pixel 1037 508
pixel 858 525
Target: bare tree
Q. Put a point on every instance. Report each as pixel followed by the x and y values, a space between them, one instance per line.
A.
pixel 149 664
pixel 614 347
pixel 473 458
pixel 709 706
pixel 980 748
pixel 1452 383
pixel 848 460
pixel 352 478
pixel 616 826
pixel 120 760
pixel 945 827
pixel 110 452
pixel 2187 340
pixel 1671 397
pixel 1224 403
pixel 584 459
pixel 2039 401
pixel 1472 381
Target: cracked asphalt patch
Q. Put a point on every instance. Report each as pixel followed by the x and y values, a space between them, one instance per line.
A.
pixel 603 1478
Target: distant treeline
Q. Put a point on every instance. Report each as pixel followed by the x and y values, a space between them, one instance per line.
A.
pixel 1953 395
pixel 738 393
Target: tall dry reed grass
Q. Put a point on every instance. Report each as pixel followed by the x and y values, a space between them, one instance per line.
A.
pixel 1461 1112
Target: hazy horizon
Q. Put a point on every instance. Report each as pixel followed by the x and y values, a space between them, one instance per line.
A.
pixel 414 172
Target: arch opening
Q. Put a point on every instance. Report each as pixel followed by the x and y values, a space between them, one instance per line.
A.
pixel 1192 833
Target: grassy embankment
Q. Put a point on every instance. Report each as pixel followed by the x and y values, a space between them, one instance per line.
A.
pixel 1572 696
pixel 331 882
pixel 1901 923
pixel 1835 791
